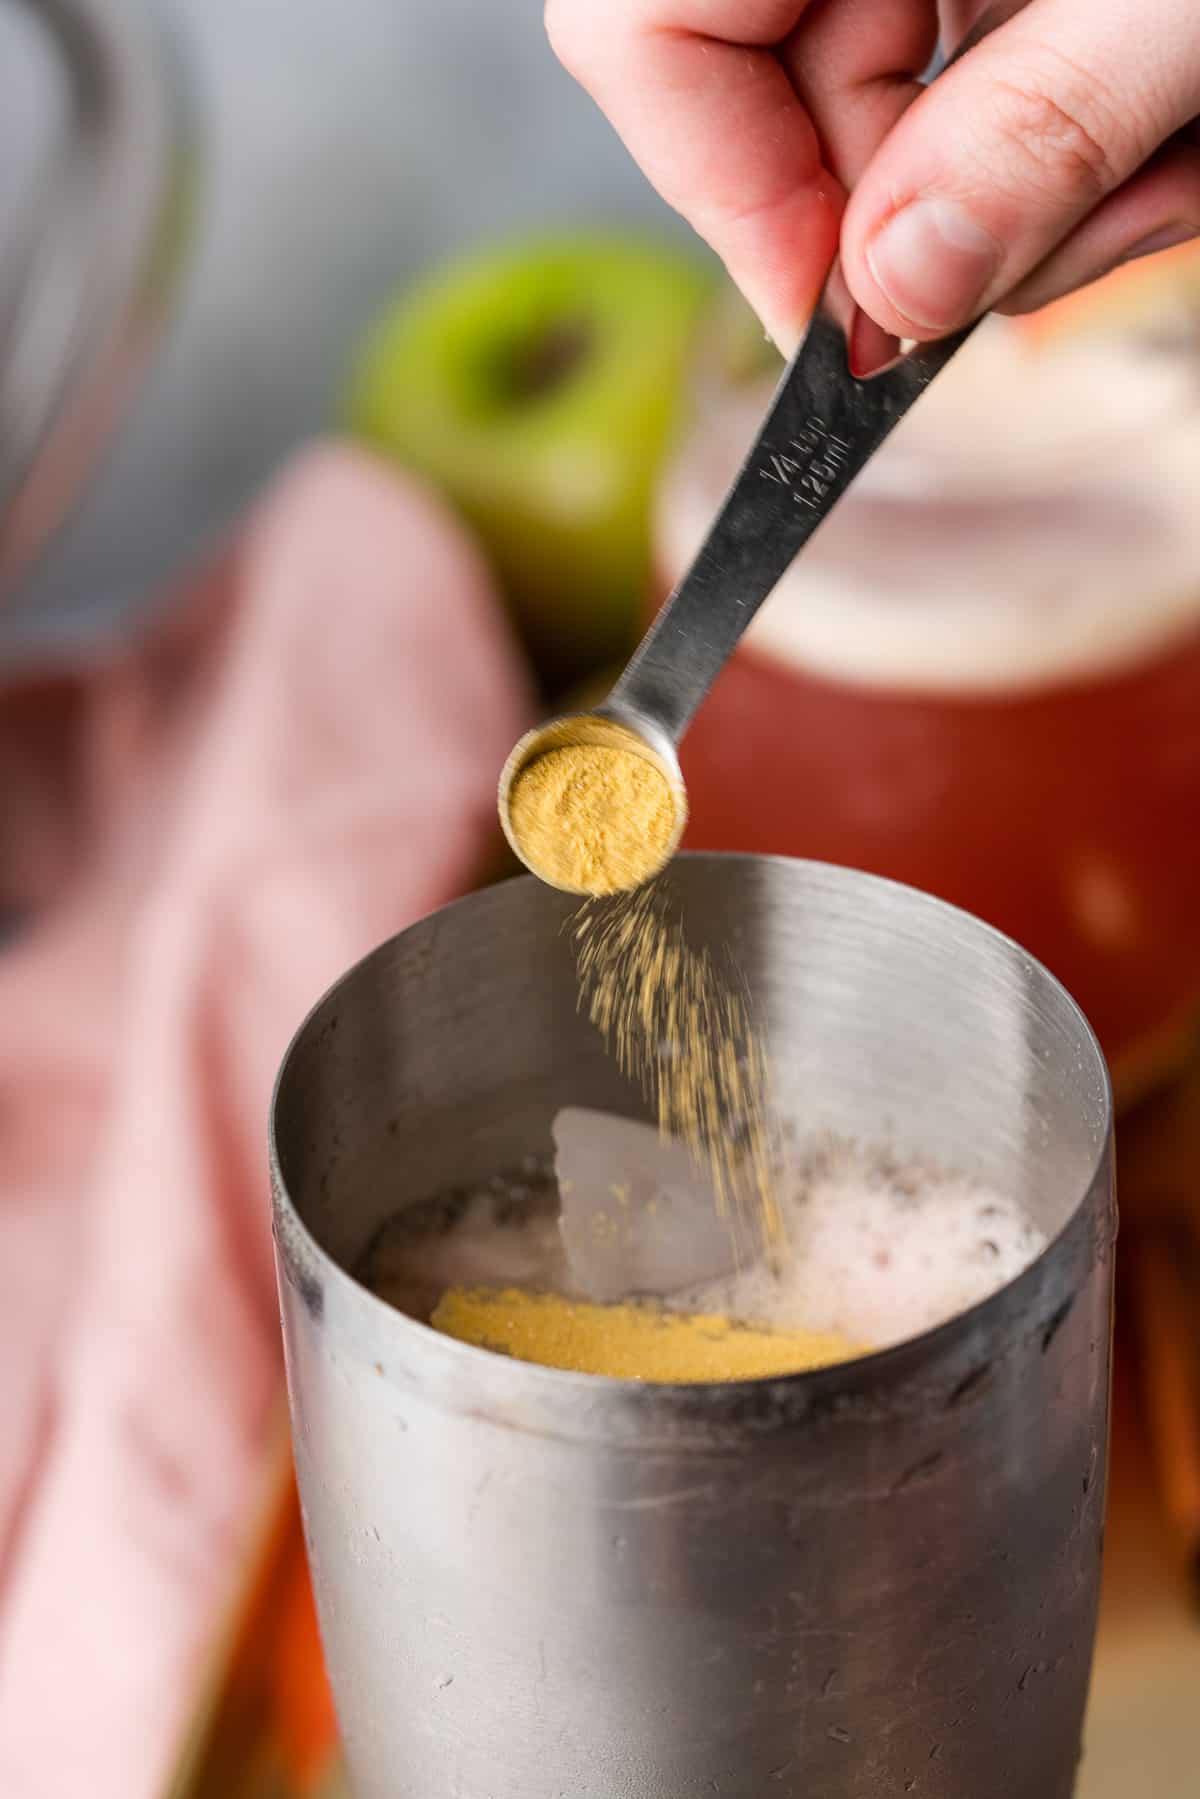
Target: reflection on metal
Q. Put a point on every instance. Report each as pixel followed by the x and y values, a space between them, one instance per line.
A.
pixel 99 249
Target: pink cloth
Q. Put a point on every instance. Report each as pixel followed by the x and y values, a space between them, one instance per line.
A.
pixel 302 762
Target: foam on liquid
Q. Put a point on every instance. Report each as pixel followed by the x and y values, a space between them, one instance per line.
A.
pixel 1032 521
pixel 880 1250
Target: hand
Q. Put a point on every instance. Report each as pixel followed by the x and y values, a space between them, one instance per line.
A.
pixel 1062 143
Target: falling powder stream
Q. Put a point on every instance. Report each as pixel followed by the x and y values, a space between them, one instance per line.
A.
pixel 680 1025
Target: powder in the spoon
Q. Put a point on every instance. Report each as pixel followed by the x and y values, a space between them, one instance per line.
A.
pixel 594 818
pixel 629 1342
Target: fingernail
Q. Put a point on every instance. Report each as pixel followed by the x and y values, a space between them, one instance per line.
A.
pixel 1169 238
pixel 934 263
pixel 870 347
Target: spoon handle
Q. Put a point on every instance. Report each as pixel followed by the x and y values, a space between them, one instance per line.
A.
pixel 822 428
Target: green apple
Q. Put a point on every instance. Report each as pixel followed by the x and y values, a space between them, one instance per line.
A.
pixel 732 350
pixel 539 384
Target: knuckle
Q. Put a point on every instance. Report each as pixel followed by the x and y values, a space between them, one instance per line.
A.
pixel 1061 144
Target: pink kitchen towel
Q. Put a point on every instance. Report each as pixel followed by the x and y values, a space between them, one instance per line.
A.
pixel 204 833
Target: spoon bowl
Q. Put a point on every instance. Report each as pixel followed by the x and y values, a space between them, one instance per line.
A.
pixel 610 726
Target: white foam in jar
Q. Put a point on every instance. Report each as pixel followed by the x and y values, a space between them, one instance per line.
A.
pixel 1033 520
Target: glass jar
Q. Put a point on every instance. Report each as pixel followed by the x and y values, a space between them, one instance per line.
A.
pixel 983 675
pixel 96 169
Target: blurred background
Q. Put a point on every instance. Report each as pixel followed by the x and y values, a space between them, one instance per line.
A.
pixel 339 150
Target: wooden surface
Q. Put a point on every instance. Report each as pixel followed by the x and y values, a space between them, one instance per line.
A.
pixel 1143 1732
pixel 1143 1735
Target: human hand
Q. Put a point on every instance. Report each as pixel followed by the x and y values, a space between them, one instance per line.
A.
pixel 1062 143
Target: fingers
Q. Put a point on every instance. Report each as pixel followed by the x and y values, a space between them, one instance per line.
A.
pixel 966 22
pixel 855 66
pixel 1158 209
pixel 706 107
pixel 751 117
pixel 999 164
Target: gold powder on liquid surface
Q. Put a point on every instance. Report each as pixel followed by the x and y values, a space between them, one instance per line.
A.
pixel 630 1342
pixel 594 818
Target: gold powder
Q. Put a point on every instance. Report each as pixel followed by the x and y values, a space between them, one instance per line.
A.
pixel 595 818
pixel 680 1025
pixel 594 814
pixel 630 1342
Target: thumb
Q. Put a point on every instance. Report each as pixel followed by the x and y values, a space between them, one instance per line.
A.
pixel 1005 155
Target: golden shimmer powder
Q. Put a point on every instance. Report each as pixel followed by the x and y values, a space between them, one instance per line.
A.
pixel 594 816
pixel 594 813
pixel 629 1342
pixel 680 1025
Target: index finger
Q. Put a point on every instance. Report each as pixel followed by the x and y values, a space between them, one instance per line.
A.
pixel 700 97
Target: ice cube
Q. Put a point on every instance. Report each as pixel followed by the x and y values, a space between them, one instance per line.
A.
pixel 639 1215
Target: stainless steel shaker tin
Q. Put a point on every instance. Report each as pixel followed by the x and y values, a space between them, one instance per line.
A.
pixel 870 1580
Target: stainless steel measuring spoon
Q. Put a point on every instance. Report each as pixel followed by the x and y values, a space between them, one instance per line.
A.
pixel 822 428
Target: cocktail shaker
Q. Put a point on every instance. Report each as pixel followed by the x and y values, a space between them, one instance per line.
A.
pixel 874 1579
